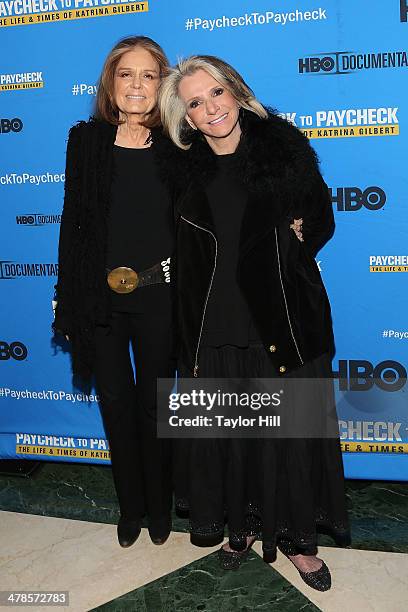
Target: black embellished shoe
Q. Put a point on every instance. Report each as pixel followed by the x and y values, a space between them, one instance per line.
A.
pixel 319 579
pixel 128 531
pixel 232 560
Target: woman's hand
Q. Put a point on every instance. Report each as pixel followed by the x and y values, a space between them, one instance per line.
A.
pixel 297 228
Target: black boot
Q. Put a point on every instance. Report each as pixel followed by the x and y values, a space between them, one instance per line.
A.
pixel 159 530
pixel 128 531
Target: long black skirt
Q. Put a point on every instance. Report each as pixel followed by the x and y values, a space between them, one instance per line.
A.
pixel 277 489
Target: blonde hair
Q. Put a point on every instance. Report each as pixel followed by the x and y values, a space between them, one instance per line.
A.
pixel 173 109
pixel 105 106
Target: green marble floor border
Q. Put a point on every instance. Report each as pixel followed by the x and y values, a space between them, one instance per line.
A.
pixel 378 510
pixel 203 586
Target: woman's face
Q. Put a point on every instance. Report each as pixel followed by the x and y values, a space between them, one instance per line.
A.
pixel 210 107
pixel 137 79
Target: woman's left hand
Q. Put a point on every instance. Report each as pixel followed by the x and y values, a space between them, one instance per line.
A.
pixel 297 228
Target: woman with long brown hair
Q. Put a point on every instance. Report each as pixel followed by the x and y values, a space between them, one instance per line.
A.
pixel 113 287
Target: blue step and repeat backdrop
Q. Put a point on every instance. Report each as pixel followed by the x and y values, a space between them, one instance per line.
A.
pixel 336 69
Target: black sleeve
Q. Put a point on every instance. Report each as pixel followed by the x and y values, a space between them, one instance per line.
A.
pixel 69 233
pixel 318 217
pixel 314 206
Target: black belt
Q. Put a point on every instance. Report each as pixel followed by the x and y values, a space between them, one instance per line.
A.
pixel 126 280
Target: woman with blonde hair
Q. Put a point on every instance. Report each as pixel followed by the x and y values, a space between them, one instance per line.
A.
pixel 113 286
pixel 253 211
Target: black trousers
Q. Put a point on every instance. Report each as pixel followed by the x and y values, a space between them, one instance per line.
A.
pixel 141 463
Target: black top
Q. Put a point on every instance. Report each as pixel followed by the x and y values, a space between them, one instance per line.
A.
pixel 227 319
pixel 140 229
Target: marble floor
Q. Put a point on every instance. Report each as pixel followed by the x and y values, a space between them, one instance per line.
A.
pixel 58 532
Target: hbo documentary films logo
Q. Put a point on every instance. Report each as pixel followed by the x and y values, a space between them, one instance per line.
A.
pixel 37 219
pixel 346 62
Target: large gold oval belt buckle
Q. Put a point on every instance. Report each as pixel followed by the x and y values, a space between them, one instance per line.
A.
pixel 123 280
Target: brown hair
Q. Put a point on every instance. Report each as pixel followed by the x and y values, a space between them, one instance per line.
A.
pixel 105 106
pixel 173 109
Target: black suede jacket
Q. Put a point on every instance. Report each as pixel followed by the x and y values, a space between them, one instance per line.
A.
pixel 277 273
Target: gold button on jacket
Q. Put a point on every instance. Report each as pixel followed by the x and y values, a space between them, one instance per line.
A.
pixel 282 369
pixel 272 348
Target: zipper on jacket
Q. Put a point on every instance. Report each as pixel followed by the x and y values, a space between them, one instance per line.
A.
pixel 195 369
pixel 284 296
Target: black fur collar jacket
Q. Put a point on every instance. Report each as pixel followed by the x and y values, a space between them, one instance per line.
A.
pixel 277 273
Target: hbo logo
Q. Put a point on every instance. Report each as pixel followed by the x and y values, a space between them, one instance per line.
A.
pixel 10 125
pixel 353 198
pixel 361 375
pixel 317 64
pixel 15 350
pixel 25 220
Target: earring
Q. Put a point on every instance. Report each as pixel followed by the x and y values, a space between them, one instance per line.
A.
pixel 190 123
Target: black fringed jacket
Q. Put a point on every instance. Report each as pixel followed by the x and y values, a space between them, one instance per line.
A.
pixel 82 291
pixel 277 273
